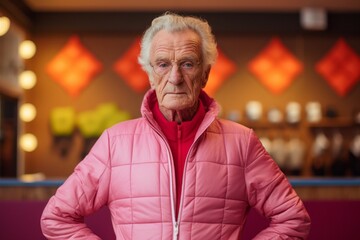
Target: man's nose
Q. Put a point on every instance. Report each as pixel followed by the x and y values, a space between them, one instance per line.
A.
pixel 175 75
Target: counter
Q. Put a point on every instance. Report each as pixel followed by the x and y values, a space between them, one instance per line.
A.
pixel 307 188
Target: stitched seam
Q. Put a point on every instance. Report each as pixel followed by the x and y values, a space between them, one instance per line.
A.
pixel 131 192
pixel 195 197
pixel 245 166
pixel 159 193
pixel 226 191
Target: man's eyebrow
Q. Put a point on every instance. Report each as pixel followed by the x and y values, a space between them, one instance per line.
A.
pixel 193 58
pixel 162 59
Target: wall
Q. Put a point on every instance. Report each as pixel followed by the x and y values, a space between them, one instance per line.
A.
pixel 238 44
pixel 10 93
pixel 10 62
pixel 106 87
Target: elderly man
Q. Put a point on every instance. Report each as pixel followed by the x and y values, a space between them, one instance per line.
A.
pixel 178 172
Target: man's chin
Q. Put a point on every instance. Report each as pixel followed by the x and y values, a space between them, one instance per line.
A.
pixel 171 98
pixel 176 106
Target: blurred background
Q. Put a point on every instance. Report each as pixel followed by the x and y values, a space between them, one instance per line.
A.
pixel 288 69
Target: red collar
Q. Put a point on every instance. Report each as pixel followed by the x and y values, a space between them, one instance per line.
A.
pixel 170 128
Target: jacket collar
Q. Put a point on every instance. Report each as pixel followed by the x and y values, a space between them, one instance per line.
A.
pixel 211 109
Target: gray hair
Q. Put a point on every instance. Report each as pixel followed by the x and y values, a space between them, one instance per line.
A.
pixel 173 22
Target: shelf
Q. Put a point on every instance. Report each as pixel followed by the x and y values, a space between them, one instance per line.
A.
pixel 266 125
pixel 295 182
pixel 324 182
pixel 333 123
pixel 340 122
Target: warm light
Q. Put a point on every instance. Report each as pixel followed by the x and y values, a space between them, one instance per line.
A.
pixel 254 110
pixel 27 79
pixel 4 25
pixel 27 49
pixel 74 67
pixel 28 142
pixel 275 66
pixel 27 112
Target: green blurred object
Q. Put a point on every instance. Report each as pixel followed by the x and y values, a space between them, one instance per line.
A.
pixel 90 124
pixel 106 111
pixel 111 115
pixel 117 117
pixel 62 121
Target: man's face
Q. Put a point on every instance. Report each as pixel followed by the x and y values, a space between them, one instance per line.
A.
pixel 178 75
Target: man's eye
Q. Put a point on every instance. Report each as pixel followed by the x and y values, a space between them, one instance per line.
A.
pixel 163 65
pixel 187 65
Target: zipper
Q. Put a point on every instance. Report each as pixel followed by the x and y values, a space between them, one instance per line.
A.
pixel 176 226
pixel 172 183
pixel 176 231
pixel 175 221
pixel 172 193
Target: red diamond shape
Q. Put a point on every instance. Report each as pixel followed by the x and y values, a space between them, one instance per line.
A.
pixel 340 67
pixel 73 67
pixel 221 70
pixel 128 68
pixel 275 66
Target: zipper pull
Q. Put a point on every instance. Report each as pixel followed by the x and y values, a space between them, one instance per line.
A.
pixel 176 231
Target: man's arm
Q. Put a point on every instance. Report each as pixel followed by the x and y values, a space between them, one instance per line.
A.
pixel 83 193
pixel 272 195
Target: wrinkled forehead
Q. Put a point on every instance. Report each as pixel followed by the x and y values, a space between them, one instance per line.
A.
pixel 186 33
pixel 165 40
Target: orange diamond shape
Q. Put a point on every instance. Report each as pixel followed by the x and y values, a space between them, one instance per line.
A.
pixel 128 68
pixel 221 70
pixel 275 66
pixel 73 67
pixel 340 67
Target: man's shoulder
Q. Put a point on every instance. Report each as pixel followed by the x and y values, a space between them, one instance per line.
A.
pixel 132 126
pixel 228 126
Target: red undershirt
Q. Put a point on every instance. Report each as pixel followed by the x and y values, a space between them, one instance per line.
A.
pixel 180 137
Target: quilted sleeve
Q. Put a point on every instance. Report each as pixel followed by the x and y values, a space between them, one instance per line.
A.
pixel 270 193
pixel 84 192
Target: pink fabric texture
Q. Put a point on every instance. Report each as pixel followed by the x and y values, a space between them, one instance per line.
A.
pixel 130 169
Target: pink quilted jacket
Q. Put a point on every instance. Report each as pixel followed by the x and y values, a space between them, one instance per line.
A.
pixel 130 169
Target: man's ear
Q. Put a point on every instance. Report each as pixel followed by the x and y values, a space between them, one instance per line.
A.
pixel 206 76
